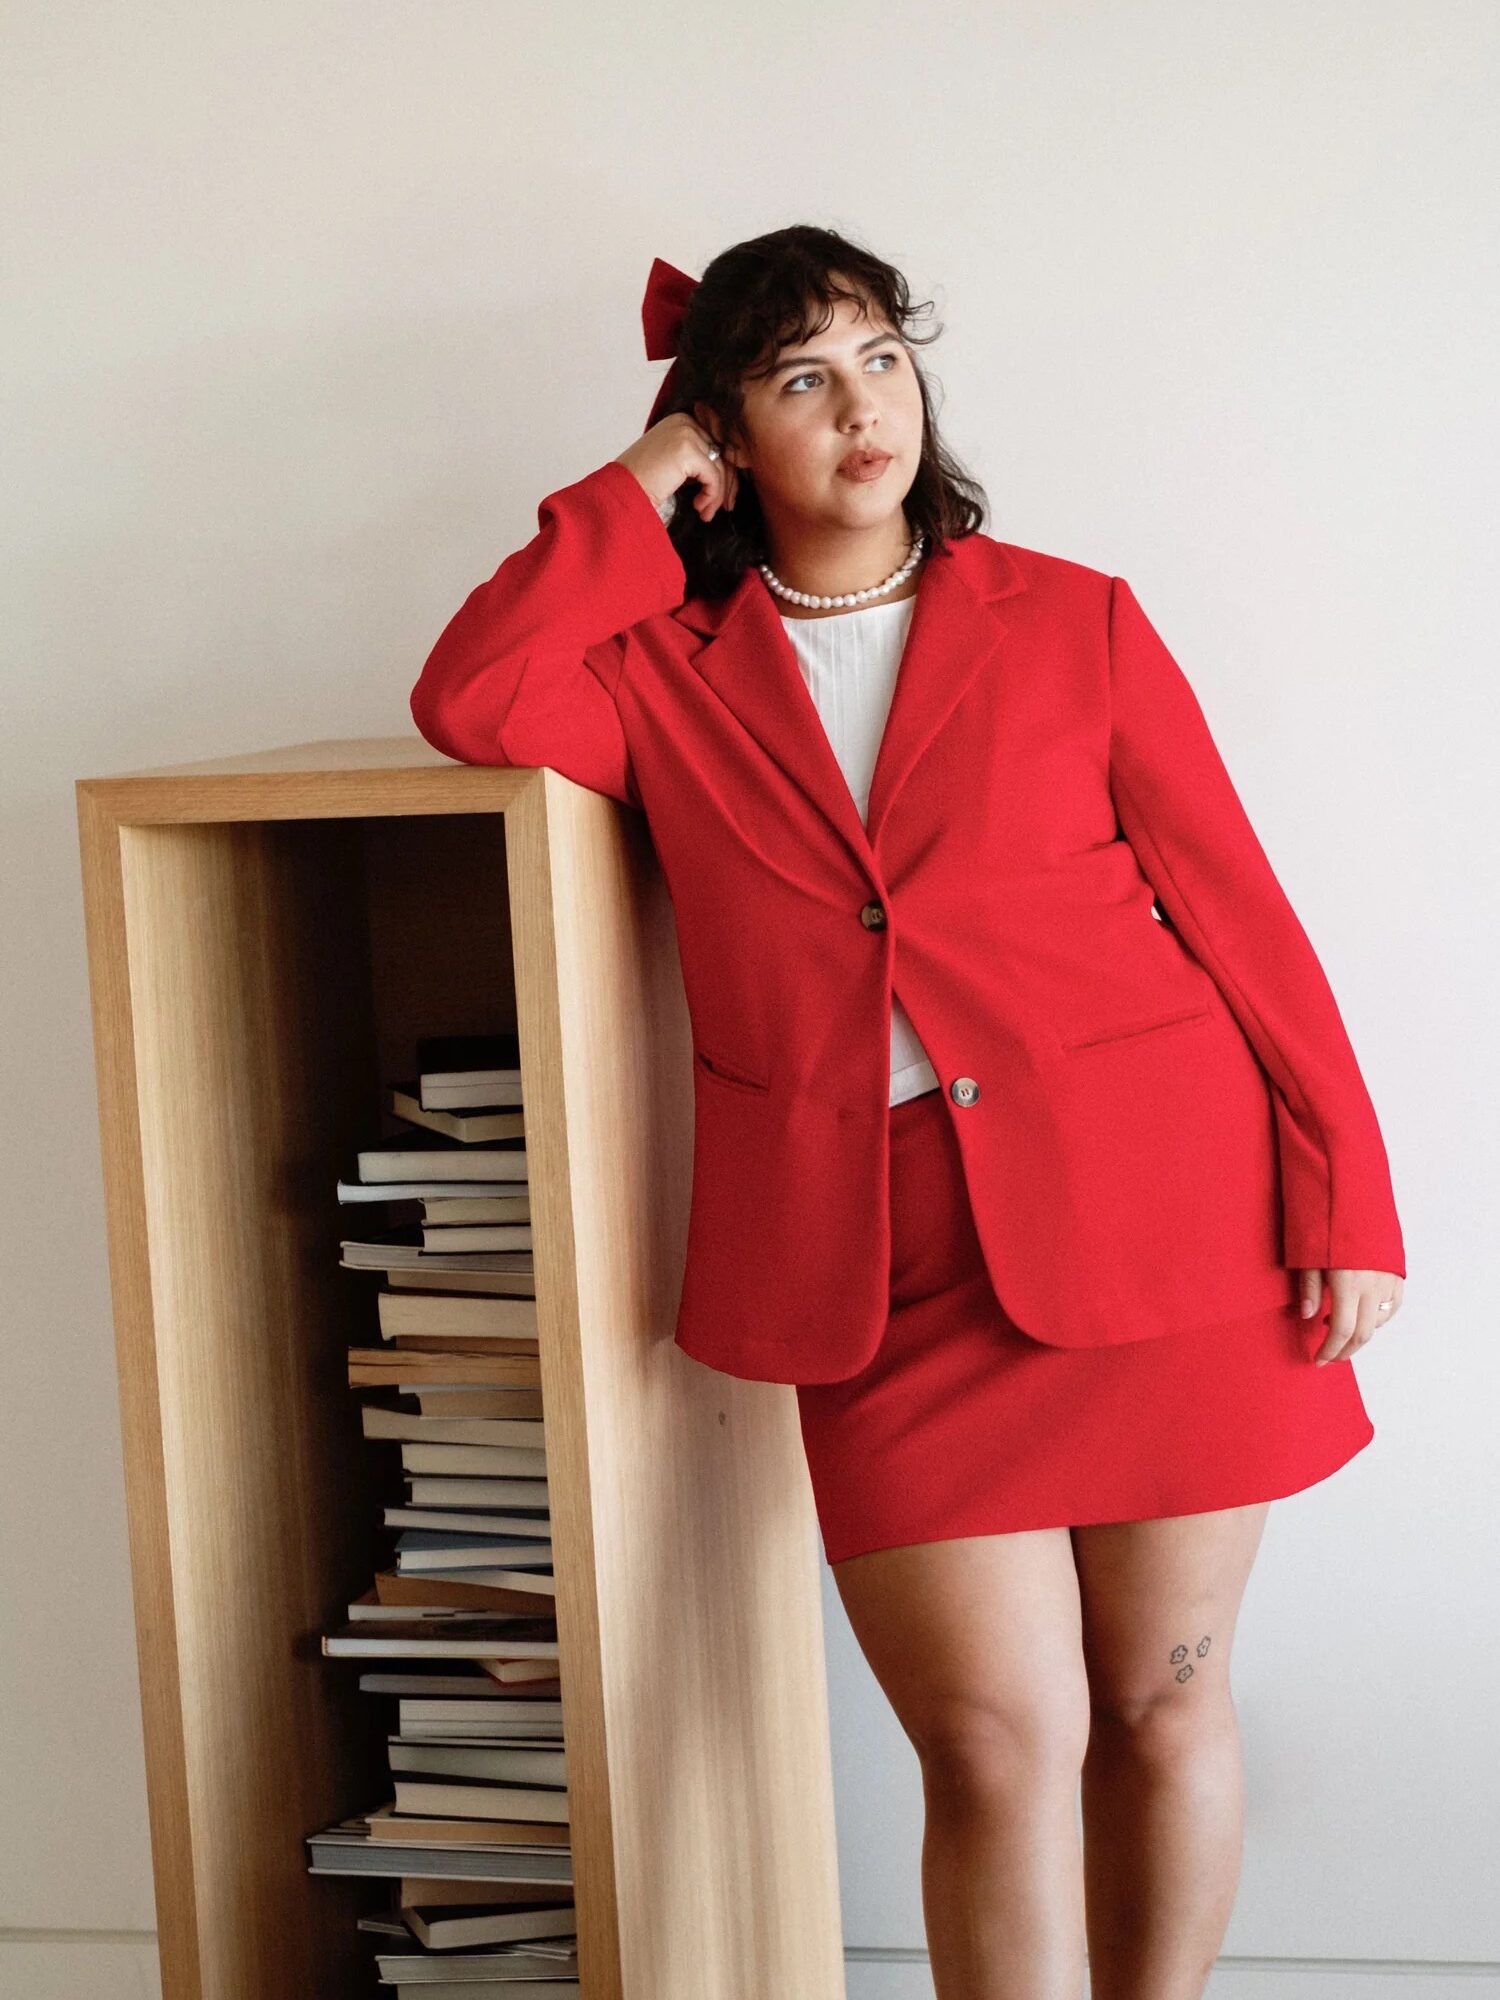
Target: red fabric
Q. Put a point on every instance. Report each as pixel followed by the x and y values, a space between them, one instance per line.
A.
pixel 666 297
pixel 960 1425
pixel 1170 1114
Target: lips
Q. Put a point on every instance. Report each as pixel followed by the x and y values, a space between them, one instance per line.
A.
pixel 864 464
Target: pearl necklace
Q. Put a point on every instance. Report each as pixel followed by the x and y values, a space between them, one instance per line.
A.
pixel 896 578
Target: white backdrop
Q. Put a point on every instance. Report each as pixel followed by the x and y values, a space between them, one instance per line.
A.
pixel 309 304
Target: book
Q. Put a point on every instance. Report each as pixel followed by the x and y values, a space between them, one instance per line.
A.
pixel 480 1801
pixel 461 1592
pixel 377 1422
pixel 450 1492
pixel 485 1639
pixel 471 1125
pixel 385 1249
pixel 501 1719
pixel 467 1069
pixel 368 1610
pixel 419 1189
pixel 439 1892
pixel 492 1284
pixel 462 1344
pixel 478 1972
pixel 441 1549
pixel 484 1989
pixel 394 1925
pixel 432 1683
pixel 442 1928
pixel 490 1460
pixel 443 1313
pixel 349 1849
pixel 469 1399
pixel 424 1715
pixel 461 1549
pixel 527 1515
pixel 537 1584
pixel 382 1367
pixel 432 1161
pixel 449 1832
pixel 497 1762
pixel 489 1964
pixel 475 1207
pixel 470 1236
pixel 519 1507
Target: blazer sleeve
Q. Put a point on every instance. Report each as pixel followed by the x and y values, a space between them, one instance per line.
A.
pixel 1181 814
pixel 526 671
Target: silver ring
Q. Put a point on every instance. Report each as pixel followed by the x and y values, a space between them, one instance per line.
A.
pixel 1386 1304
pixel 713 451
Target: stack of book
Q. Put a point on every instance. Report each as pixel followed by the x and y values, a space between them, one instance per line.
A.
pixel 459 1627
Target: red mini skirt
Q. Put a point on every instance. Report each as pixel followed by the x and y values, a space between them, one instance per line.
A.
pixel 961 1424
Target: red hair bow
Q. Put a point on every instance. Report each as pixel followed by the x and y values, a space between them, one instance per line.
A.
pixel 667 293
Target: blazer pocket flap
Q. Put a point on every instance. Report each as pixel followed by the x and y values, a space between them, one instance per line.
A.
pixel 1136 1030
pixel 727 1070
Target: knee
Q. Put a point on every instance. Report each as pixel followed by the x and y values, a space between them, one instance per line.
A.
pixel 1161 1718
pixel 978 1751
pixel 1160 1696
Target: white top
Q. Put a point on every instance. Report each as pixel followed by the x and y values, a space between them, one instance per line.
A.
pixel 849 661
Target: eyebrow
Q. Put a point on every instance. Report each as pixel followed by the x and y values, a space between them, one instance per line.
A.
pixel 803 360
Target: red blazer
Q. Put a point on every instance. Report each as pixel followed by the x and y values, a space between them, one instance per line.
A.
pixel 1169 1120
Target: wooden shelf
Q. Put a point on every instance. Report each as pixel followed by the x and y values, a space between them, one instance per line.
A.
pixel 267 936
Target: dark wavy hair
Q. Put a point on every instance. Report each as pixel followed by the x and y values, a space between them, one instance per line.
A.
pixel 755 298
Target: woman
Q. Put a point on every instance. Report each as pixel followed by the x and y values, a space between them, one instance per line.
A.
pixel 1034 1235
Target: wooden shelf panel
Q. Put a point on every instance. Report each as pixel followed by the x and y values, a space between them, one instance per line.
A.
pixel 268 936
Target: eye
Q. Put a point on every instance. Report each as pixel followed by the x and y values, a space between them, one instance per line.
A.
pixel 811 374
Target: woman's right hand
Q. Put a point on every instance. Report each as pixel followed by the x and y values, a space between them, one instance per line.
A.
pixel 676 450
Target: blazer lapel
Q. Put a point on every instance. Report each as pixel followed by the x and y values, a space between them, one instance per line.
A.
pixel 953 632
pixel 751 664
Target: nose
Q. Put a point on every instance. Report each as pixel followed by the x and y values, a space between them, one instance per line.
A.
pixel 860 410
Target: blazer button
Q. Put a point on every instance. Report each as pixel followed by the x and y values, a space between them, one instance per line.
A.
pixel 872 916
pixel 964 1090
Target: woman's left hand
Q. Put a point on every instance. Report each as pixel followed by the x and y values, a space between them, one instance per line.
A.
pixel 1359 1303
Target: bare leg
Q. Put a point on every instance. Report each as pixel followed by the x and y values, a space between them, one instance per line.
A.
pixel 1163 1792
pixel 976 1643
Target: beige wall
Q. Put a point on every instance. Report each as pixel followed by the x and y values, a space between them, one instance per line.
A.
pixel 308 305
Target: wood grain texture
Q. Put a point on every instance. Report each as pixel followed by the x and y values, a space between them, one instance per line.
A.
pixel 267 937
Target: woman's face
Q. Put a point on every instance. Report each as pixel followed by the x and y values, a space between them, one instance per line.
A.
pixel 848 390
